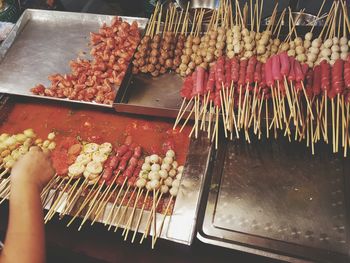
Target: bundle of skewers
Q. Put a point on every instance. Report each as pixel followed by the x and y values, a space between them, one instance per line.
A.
pixel 265 85
pixel 96 80
pixel 12 147
pixel 115 186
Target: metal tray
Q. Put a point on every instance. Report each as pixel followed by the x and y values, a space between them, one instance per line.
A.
pixel 147 95
pixel 181 226
pixel 275 199
pixel 42 43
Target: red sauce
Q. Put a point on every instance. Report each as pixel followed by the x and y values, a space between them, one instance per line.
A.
pixel 109 126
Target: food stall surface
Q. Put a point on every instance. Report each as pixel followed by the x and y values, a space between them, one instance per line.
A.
pixel 278 199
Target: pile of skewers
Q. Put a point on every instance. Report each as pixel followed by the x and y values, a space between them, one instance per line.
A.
pixel 112 184
pixel 264 84
pixel 96 80
pixel 12 147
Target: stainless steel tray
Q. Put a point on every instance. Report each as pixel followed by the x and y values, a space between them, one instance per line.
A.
pixel 275 199
pixel 181 226
pixel 42 43
pixel 144 94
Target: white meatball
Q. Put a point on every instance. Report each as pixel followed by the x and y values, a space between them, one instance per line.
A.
pixel 314 50
pixel 343 56
pixel 316 42
pixel 168 181
pixel 51 146
pixel 298 41
pixel 168 160
pixel 335 56
pixel 326 52
pixel 147 159
pixel 328 43
pixel 4 136
pixel 148 186
pixel 308 36
pixel 146 167
pixel 180 169
pixel 164 189
pixel 344 48
pixel 155 167
pixel 10 141
pixel 29 133
pixel 173 191
pixel 172 172
pixel 153 175
pixel 291 52
pixel 307 44
pixel 299 50
pixel 51 136
pixel 20 137
pixel 343 41
pixel 176 183
pixel 154 158
pixel 46 143
pixel 175 165
pixel 165 166
pixel 143 174
pixel 335 40
pixel 170 153
pixel 163 174
pixel 311 57
pixel 141 182
pixel 154 184
pixel 335 48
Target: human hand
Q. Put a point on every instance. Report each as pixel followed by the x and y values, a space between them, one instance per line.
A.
pixel 32 169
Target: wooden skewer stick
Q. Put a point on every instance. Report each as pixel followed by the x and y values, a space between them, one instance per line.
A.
pixel 149 221
pixel 71 192
pixel 82 206
pixel 163 220
pixel 106 197
pixel 58 202
pixel 347 129
pixel 131 217
pixel 73 200
pixel 109 217
pixel 333 126
pixel 91 205
pixel 140 217
pixel 119 207
pixel 125 210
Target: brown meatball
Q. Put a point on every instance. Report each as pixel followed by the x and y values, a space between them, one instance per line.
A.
pixel 169 63
pixel 150 68
pixel 154 53
pixel 155 73
pixel 154 45
pixel 157 38
pixel 178 52
pixel 196 40
pixel 162 70
pixel 153 60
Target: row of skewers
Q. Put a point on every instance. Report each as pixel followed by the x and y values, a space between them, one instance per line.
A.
pixel 96 80
pixel 116 186
pixel 246 78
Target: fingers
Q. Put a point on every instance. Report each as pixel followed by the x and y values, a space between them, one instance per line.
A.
pixel 34 149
